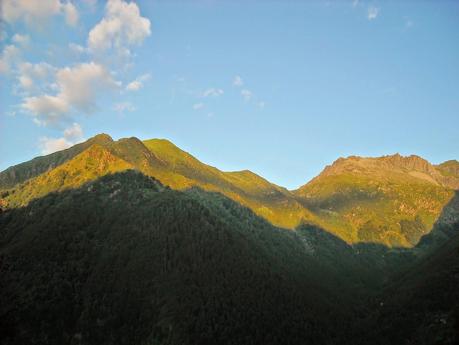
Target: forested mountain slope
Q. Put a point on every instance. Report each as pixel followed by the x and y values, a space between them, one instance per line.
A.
pixel 158 158
pixel 390 200
pixel 422 306
pixel 124 260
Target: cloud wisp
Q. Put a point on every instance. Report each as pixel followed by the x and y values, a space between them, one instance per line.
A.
pixel 246 94
pixel 212 92
pixel 124 107
pixel 372 13
pixel 237 81
pixel 72 135
pixel 138 83
pixel 37 12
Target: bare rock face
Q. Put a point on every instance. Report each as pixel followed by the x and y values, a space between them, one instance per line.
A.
pixel 445 174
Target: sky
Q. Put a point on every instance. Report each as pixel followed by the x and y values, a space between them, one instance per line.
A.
pixel 281 88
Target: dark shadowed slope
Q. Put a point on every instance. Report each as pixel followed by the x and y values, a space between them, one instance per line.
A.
pixel 422 307
pixel 123 260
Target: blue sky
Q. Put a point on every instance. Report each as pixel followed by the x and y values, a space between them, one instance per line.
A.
pixel 280 88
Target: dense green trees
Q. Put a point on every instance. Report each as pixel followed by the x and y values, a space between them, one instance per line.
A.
pixel 125 260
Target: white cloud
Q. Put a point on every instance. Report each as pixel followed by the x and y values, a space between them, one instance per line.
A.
pixel 121 27
pixel 138 83
pixel 8 58
pixel 72 136
pixel 37 12
pixel 11 54
pixel 237 81
pixel 261 104
pixel 46 108
pixel 246 94
pixel 31 76
pixel 71 14
pixel 51 94
pixel 123 107
pixel 134 85
pixel 198 106
pixel 78 88
pixel 50 145
pixel 30 11
pixel 212 92
pixel 80 85
pixel 372 13
pixel 22 40
pixel 74 132
pixel 76 48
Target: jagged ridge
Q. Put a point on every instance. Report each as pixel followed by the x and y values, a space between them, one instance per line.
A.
pixel 393 200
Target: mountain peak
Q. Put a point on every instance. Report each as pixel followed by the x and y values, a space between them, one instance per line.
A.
pixel 101 138
pixel 411 162
pixel 395 162
pixel 449 168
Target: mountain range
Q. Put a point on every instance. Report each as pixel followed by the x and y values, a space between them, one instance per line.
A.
pixel 138 242
pixel 392 200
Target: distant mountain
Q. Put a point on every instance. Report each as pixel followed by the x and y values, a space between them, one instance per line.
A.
pixel 392 200
pixel 450 171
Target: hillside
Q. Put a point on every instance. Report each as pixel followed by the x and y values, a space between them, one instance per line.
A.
pixel 392 200
pixel 97 251
pixel 422 307
pixel 158 158
pixel 124 260
pixel 272 202
pixel 19 173
pixel 450 169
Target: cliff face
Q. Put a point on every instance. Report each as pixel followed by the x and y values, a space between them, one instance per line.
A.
pixel 445 174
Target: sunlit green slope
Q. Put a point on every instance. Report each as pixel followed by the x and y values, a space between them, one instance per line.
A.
pixel 393 200
pixel 24 171
pixel 88 165
pixel 158 158
pixel 450 170
pixel 272 202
